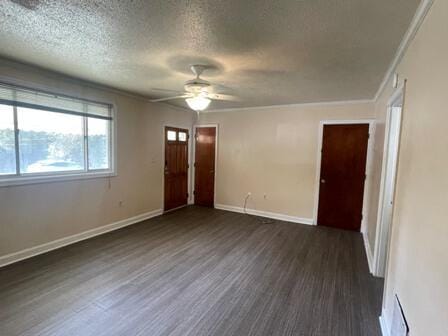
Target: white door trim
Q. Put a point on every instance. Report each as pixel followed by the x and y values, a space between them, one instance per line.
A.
pixel 382 235
pixel 189 182
pixel 367 184
pixel 216 126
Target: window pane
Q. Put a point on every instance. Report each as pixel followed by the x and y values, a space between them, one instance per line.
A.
pixel 171 135
pixel 98 139
pixel 49 142
pixel 7 145
pixel 182 136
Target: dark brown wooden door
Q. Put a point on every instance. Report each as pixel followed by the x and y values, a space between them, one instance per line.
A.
pixel 342 175
pixel 204 177
pixel 176 167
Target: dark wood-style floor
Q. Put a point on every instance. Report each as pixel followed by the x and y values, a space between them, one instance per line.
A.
pixel 196 271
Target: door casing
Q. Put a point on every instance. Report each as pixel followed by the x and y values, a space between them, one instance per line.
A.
pixel 382 237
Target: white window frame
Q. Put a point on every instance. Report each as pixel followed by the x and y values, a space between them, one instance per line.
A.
pixel 45 177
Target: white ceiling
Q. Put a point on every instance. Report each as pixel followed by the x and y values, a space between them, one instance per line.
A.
pixel 268 52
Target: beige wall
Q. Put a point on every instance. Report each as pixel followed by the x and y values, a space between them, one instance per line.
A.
pixel 31 215
pixel 273 151
pixel 418 260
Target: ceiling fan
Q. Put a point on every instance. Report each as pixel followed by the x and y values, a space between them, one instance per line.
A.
pixel 198 92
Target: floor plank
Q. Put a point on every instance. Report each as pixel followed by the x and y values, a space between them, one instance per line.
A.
pixel 197 271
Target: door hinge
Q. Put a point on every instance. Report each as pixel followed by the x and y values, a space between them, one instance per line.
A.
pixel 188 195
pixel 368 136
pixel 194 192
pixel 188 165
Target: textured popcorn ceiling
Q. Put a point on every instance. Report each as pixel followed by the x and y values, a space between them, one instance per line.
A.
pixel 268 52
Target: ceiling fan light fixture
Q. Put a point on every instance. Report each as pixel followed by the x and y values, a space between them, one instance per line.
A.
pixel 198 103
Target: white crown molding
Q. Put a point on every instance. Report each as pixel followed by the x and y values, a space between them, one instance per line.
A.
pixel 419 17
pixel 55 244
pixel 264 107
pixel 273 215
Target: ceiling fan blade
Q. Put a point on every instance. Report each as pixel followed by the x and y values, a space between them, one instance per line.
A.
pixel 216 88
pixel 169 98
pixel 219 96
pixel 166 90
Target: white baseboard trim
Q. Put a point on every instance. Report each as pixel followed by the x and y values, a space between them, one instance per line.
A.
pixel 55 244
pixel 368 251
pixel 174 209
pixel 273 215
pixel 384 327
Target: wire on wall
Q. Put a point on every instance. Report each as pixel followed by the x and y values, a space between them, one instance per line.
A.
pixel 262 220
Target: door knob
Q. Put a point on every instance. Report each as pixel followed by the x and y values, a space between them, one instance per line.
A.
pixel 322 181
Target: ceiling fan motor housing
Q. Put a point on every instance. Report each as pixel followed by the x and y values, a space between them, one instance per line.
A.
pixel 196 85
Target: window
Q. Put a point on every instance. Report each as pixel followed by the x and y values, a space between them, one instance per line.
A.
pixel 7 141
pixel 99 150
pixel 49 141
pixel 182 136
pixel 171 135
pixel 44 135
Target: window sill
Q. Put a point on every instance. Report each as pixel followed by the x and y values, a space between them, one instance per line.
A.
pixel 24 180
